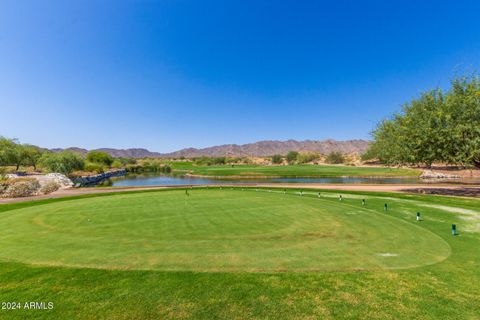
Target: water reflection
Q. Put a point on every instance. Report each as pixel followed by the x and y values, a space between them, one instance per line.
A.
pixel 158 180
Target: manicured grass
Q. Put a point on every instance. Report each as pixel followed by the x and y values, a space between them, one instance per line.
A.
pixel 434 275
pixel 292 171
pixel 215 230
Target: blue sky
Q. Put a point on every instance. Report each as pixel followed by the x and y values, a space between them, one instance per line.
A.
pixel 172 74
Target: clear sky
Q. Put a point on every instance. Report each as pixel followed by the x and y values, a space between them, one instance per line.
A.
pixel 172 74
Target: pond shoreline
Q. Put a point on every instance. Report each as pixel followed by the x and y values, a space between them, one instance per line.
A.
pixel 295 176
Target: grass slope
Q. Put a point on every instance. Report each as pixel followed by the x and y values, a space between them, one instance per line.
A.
pixel 323 171
pixel 447 289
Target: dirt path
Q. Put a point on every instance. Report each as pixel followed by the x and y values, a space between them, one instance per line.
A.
pixel 452 190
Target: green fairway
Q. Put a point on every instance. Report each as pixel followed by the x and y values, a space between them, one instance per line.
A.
pixel 305 170
pixel 236 253
pixel 216 230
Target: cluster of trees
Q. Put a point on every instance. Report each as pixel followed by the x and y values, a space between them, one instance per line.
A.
pixel 15 154
pixel 64 162
pixel 147 165
pixel 294 157
pixel 209 161
pixel 438 126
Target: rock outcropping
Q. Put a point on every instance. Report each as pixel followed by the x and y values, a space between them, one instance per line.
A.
pixel 62 180
pixel 88 180
pixel 59 178
pixel 429 174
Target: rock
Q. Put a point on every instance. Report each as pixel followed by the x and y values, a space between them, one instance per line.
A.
pixel 59 178
pixel 86 180
pixel 429 174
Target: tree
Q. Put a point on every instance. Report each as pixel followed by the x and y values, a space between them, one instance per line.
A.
pixel 436 127
pixel 335 158
pixel 100 157
pixel 292 156
pixel 64 162
pixel 463 107
pixel 277 159
pixel 11 153
pixel 8 152
pixel 31 155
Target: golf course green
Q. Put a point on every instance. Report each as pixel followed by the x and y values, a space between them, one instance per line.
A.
pixel 241 253
pixel 216 230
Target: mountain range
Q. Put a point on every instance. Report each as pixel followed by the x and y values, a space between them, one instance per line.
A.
pixel 257 149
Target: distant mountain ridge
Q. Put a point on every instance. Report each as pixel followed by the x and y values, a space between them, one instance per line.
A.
pixel 257 149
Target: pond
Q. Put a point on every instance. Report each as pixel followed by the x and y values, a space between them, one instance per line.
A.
pixel 169 180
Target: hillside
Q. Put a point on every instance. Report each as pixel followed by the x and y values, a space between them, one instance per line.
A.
pixel 257 149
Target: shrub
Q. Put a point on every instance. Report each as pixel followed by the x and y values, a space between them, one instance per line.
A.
pixel 117 164
pixel 335 158
pixel 292 157
pixel 133 168
pixel 64 162
pixel 3 185
pixel 219 160
pixel 126 161
pixel 277 159
pixel 21 187
pixel 148 165
pixel 152 166
pixel 214 161
pixel 307 157
pixel 49 187
pixel 94 167
pixel 100 157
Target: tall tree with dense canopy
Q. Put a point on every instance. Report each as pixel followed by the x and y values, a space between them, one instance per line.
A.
pixel 436 127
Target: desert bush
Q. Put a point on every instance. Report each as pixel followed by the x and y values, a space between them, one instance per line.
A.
pixel 277 159
pixel 335 158
pixel 21 187
pixel 100 157
pixel 307 157
pixel 64 162
pixel 49 187
pixel 292 157
pixel 152 166
pixel 117 164
pixel 148 165
pixel 219 160
pixel 202 161
pixel 125 161
pixel 93 167
pixel 3 185
pixel 133 168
